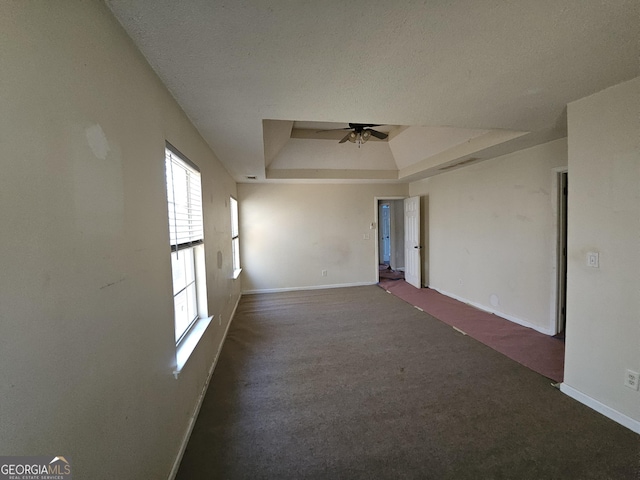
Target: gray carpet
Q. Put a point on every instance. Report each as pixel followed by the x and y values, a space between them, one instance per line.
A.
pixel 354 383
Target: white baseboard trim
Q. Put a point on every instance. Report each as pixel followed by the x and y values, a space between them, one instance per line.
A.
pixel 192 420
pixel 511 318
pixel 310 287
pixel 616 416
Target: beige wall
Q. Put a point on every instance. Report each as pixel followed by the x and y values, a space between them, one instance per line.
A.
pixel 290 233
pixel 86 315
pixel 491 233
pixel 603 311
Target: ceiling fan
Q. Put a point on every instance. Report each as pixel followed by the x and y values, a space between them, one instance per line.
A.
pixel 360 133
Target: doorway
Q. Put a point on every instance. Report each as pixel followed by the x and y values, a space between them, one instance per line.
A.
pixel 384 221
pixel 390 238
pixel 561 282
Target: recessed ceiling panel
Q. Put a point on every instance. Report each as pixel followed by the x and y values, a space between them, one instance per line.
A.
pixel 414 144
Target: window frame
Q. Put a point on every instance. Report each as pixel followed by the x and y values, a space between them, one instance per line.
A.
pixel 235 236
pixel 189 291
pixel 186 234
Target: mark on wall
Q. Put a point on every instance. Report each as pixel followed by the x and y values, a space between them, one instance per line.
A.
pixel 540 191
pixel 334 250
pixel 97 141
pixel 494 300
pixel 98 184
pixel 113 283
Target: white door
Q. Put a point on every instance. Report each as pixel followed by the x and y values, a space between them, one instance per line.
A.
pixel 412 247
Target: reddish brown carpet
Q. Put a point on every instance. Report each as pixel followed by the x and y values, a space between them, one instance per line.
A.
pixel 539 352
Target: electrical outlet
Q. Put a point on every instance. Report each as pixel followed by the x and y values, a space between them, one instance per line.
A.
pixel 593 259
pixel 631 379
pixel 324 273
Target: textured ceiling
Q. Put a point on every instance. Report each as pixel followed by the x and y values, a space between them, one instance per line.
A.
pixel 483 65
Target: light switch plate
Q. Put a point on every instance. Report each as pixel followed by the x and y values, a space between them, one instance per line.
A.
pixel 593 259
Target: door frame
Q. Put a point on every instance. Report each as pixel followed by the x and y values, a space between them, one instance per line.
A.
pixel 375 227
pixel 557 288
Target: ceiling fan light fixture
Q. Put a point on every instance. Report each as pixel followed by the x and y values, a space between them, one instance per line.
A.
pixel 360 133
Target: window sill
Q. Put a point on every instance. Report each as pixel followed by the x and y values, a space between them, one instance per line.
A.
pixel 189 344
pixel 236 273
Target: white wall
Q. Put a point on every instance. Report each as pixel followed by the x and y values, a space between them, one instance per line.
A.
pixel 603 304
pixel 86 314
pixel 290 233
pixel 492 233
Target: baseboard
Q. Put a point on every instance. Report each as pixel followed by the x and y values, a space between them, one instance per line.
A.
pixel 192 421
pixel 511 318
pixel 616 416
pixel 310 287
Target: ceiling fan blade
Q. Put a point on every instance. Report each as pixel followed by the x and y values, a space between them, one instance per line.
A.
pixel 345 138
pixel 377 134
pixel 333 130
pixel 361 126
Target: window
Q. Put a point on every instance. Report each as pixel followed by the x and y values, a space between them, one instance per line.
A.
pixel 235 240
pixel 186 236
pixel 184 291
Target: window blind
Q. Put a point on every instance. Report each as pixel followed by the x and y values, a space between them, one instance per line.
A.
pixel 235 241
pixel 234 217
pixel 184 194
